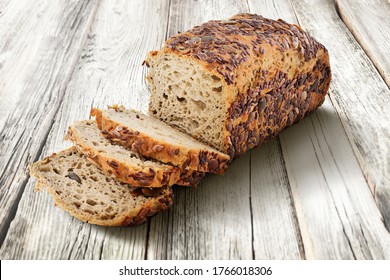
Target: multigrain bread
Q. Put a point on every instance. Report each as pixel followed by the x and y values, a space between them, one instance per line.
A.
pixel 235 83
pixel 84 191
pixel 126 166
pixel 155 139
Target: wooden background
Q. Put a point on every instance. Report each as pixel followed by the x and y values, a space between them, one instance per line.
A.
pixel 319 191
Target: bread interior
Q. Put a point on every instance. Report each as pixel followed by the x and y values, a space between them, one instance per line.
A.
pixel 187 96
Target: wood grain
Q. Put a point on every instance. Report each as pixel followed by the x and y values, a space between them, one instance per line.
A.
pixel 276 233
pixel 273 9
pixel 39 46
pixel 371 28
pixel 212 221
pixel 359 95
pixel 337 214
pixel 328 188
pixel 108 71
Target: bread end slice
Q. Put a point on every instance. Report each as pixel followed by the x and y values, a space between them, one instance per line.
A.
pixel 80 188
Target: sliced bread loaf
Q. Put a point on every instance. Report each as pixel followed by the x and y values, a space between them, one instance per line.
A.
pixel 235 83
pixel 155 139
pixel 126 166
pixel 84 191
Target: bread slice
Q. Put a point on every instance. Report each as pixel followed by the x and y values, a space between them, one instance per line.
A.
pixel 84 191
pixel 153 138
pixel 126 166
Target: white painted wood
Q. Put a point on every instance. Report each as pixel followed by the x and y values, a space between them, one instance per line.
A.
pixel 108 71
pixel 212 221
pixel 39 46
pixel 359 95
pixel 369 22
pixel 337 214
pixel 34 37
pixel 323 171
pixel 273 9
pixel 276 233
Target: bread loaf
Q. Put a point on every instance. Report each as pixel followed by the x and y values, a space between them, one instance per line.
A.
pixel 84 191
pixel 124 165
pixel 235 83
pixel 152 138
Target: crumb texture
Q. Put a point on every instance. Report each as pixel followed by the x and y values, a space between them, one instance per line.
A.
pixel 80 188
pixel 119 162
pixel 155 139
pixel 154 128
pixel 184 91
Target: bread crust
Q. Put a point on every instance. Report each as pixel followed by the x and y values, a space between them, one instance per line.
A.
pixel 274 74
pixel 162 201
pixel 136 176
pixel 183 157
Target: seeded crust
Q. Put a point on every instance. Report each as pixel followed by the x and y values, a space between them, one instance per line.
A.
pixel 81 189
pixel 197 157
pixel 124 165
pixel 270 74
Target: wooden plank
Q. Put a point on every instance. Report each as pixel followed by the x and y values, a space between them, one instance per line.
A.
pixel 212 221
pixel 35 37
pixel 108 71
pixel 273 9
pixel 369 22
pixel 275 226
pixel 359 95
pixel 224 217
pixel 39 46
pixel 337 216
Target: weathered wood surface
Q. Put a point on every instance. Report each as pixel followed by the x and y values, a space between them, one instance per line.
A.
pixel 359 95
pixel 316 181
pixel 39 46
pixel 302 195
pixel 276 233
pixel 108 71
pixel 371 28
pixel 337 214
